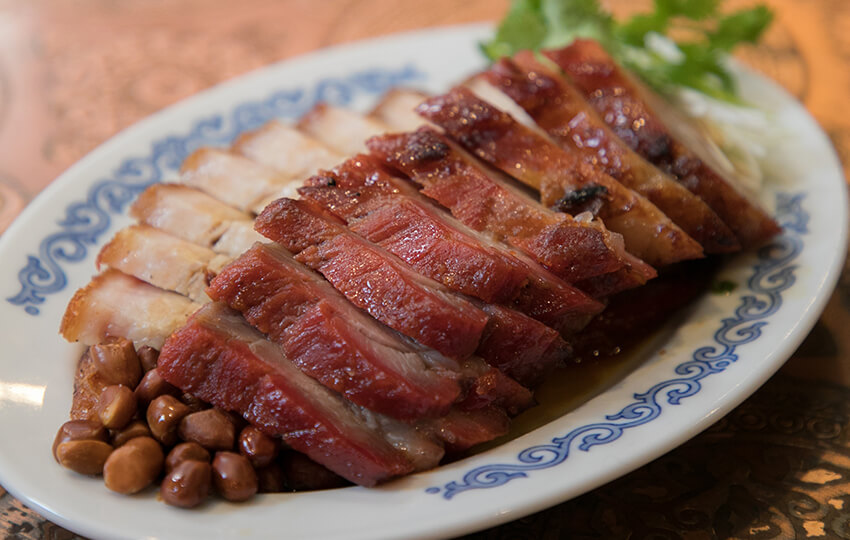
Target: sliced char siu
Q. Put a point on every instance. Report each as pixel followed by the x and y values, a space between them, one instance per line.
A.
pixel 516 344
pixel 575 250
pixel 636 116
pixel 498 139
pixel 562 112
pixel 333 341
pixel 374 279
pixel 347 350
pixel 218 358
pixel 391 213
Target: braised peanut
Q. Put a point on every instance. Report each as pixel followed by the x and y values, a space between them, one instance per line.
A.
pixel 187 451
pixel 211 429
pixel 148 357
pixel 116 361
pixel 304 474
pixel 187 485
pixel 164 415
pixel 84 456
pixel 259 448
pixel 134 466
pixel 116 406
pixel 136 428
pixel 152 386
pixel 79 430
pixel 234 477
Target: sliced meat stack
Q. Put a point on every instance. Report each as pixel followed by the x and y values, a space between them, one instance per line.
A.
pixel 381 311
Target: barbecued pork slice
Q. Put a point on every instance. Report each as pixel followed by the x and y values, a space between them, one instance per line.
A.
pixel 235 180
pixel 461 430
pixel 218 358
pixel 565 182
pixel 342 130
pixel 634 115
pixel 560 109
pixel 391 213
pixel 114 304
pixel 333 341
pixel 374 279
pixel 196 217
pixel 162 260
pixel 574 250
pixel 286 149
pixel 397 109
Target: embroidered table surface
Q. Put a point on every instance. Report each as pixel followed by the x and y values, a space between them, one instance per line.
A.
pixel 72 74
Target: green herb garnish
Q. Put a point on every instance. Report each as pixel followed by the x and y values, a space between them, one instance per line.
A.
pixel 700 38
pixel 723 286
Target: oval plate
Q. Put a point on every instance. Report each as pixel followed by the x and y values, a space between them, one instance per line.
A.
pixel 714 358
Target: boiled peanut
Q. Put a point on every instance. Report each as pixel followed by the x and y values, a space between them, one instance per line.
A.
pixel 136 428
pixel 152 386
pixel 211 429
pixel 79 430
pixel 271 479
pixel 164 415
pixel 259 448
pixel 134 466
pixel 234 477
pixel 83 456
pixel 187 485
pixel 194 403
pixel 116 406
pixel 116 361
pixel 148 357
pixel 304 474
pixel 187 451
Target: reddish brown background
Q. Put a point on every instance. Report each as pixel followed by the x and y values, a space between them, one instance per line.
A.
pixel 75 72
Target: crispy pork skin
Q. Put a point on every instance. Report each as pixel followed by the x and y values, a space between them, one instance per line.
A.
pixel 562 112
pixel 163 260
pixel 333 341
pixel 114 304
pixel 340 129
pixel 629 110
pixel 235 180
pixel 374 279
pixel 561 177
pixel 397 109
pixel 220 359
pixel 573 250
pixel 286 149
pixel 195 217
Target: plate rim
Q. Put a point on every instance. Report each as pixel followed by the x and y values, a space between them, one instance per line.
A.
pixel 830 278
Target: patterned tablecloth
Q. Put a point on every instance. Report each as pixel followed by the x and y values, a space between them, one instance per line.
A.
pixel 74 72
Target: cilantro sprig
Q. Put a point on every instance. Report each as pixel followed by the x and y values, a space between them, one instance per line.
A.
pixel 700 38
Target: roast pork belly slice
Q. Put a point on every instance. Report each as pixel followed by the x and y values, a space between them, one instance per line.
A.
pixel 481 198
pixel 565 182
pixel 374 279
pixel 114 304
pixel 342 130
pixel 635 115
pixel 218 358
pixel 396 109
pixel 163 260
pixel 195 217
pixel 286 149
pixel 235 180
pixel 559 108
pixel 332 340
pixel 360 186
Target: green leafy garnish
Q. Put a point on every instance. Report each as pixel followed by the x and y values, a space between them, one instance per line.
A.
pixel 723 286
pixel 679 43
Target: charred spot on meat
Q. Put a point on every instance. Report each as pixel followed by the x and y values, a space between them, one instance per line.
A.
pixel 589 198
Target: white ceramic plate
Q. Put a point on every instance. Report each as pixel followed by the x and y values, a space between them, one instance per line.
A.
pixel 719 354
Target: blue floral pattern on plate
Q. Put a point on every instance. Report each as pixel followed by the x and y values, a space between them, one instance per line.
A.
pixel 772 275
pixel 85 221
